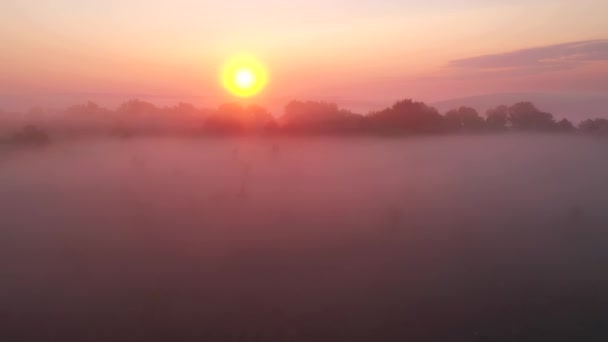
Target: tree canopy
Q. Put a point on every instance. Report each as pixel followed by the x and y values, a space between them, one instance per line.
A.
pixel 404 117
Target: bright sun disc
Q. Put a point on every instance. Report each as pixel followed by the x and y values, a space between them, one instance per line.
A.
pixel 244 76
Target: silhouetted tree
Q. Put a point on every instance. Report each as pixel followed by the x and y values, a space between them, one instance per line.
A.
pixel 565 125
pixel 497 118
pixel 319 117
pixel 464 119
pixel 594 126
pixel 525 116
pixel 136 117
pixel 184 118
pixel 184 112
pixel 31 135
pixel 137 108
pixel 227 120
pixel 139 117
pixel 184 109
pixel 259 120
pixel 87 109
pixel 232 118
pixel 407 117
pixel 85 119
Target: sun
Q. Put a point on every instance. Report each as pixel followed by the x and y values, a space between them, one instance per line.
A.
pixel 244 76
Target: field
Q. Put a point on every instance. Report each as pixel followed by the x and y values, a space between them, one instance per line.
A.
pixel 471 238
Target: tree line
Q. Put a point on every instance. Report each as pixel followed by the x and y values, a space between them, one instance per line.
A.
pixel 404 117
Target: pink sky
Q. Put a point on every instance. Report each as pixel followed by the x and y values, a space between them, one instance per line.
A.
pixel 353 51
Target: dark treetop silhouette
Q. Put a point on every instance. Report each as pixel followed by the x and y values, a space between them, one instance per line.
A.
pixel 405 117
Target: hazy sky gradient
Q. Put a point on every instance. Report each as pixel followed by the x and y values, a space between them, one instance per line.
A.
pixel 362 50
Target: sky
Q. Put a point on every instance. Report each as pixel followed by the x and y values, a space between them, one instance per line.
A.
pixel 350 51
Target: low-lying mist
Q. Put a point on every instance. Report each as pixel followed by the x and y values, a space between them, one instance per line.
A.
pixel 479 238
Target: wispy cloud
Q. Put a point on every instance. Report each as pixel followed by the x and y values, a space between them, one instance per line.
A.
pixel 539 59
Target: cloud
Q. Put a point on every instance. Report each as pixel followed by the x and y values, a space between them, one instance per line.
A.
pixel 539 59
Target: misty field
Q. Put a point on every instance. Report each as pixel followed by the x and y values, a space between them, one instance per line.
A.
pixel 479 238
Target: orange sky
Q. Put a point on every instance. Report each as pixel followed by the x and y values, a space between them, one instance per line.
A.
pixel 352 51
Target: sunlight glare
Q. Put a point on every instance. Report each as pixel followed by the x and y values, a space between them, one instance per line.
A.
pixel 244 76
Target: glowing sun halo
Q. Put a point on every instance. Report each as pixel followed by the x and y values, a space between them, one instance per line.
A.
pixel 244 76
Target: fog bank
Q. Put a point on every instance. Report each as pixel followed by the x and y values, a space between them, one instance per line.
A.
pixel 344 239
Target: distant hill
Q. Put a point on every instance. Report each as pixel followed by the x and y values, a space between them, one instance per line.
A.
pixel 570 105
